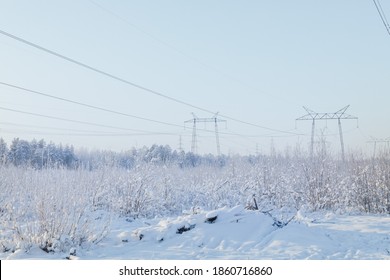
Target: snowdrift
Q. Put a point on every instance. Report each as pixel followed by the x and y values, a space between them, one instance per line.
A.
pixel 236 233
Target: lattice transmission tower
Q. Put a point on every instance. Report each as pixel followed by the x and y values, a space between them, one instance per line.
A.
pixel 376 141
pixel 339 115
pixel 194 121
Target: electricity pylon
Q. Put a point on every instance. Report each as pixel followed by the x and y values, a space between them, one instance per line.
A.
pixel 376 140
pixel 339 115
pixel 194 121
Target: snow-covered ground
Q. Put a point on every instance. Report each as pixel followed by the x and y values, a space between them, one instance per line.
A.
pixel 236 233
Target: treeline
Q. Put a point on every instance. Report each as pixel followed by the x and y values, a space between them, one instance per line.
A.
pixel 156 155
pixel 39 154
pixel 154 180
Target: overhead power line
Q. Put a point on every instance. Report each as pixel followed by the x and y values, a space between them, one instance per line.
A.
pixel 87 105
pixel 259 126
pixel 37 132
pixel 106 126
pixel 73 121
pixel 26 90
pixel 382 15
pixel 132 83
pixel 100 71
pixel 179 51
pixel 68 131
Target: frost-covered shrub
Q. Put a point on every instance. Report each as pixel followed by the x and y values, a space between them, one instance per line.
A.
pixel 370 180
pixel 50 209
pixel 58 209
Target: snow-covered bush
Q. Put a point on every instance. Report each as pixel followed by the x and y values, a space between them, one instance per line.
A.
pixel 50 209
pixel 370 181
pixel 57 209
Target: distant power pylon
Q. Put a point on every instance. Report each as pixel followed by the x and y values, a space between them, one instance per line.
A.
pixel 180 144
pixel 313 116
pixel 375 141
pixel 194 121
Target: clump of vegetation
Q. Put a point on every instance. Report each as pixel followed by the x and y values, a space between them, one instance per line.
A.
pixel 61 206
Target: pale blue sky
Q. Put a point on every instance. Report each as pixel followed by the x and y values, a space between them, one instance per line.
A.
pixel 257 61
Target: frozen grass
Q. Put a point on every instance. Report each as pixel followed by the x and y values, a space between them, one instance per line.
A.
pixel 58 210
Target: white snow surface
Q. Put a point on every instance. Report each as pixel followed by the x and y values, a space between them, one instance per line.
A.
pixel 236 233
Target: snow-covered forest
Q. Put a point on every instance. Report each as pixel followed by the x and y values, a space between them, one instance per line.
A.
pixel 55 198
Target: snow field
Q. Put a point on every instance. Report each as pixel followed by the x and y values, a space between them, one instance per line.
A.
pixel 236 234
pixel 164 211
